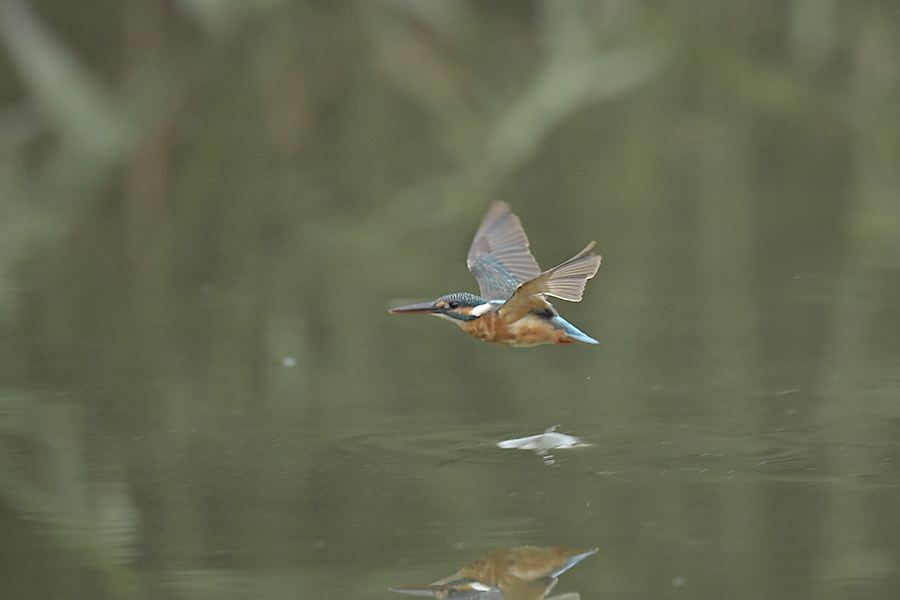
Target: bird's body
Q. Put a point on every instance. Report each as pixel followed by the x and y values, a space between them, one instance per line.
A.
pixel 523 573
pixel 532 328
pixel 513 309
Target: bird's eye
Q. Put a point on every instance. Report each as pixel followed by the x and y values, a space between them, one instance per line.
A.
pixel 453 305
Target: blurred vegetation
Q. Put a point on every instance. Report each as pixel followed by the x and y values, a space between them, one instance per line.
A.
pixel 195 194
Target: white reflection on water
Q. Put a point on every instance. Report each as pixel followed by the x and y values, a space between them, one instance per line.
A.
pixel 549 440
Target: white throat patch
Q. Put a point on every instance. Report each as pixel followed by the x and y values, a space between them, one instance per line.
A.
pixel 447 317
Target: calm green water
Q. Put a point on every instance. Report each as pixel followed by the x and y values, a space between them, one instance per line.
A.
pixel 205 215
pixel 714 469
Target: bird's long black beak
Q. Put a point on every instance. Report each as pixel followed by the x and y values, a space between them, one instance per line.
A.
pixel 417 590
pixel 423 308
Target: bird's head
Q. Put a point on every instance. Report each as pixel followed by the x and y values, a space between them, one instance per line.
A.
pixel 458 307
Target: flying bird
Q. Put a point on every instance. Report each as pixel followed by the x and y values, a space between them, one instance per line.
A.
pixel 513 308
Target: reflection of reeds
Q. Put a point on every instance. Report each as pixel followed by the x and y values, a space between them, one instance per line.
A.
pixel 44 481
pixel 93 131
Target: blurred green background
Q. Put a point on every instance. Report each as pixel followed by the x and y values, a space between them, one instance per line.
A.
pixel 208 206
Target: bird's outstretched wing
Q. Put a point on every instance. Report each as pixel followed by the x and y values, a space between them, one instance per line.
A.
pixel 565 281
pixel 499 257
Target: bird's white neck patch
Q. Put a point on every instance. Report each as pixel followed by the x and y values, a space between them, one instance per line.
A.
pixel 481 309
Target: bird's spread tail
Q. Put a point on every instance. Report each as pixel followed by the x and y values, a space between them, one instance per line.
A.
pixel 567 280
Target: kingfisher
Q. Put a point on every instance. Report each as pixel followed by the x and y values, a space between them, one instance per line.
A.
pixel 522 573
pixel 513 308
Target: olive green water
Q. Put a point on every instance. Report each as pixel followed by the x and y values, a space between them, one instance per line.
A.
pixel 205 213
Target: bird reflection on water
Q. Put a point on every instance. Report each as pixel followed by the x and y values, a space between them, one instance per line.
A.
pixel 522 573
